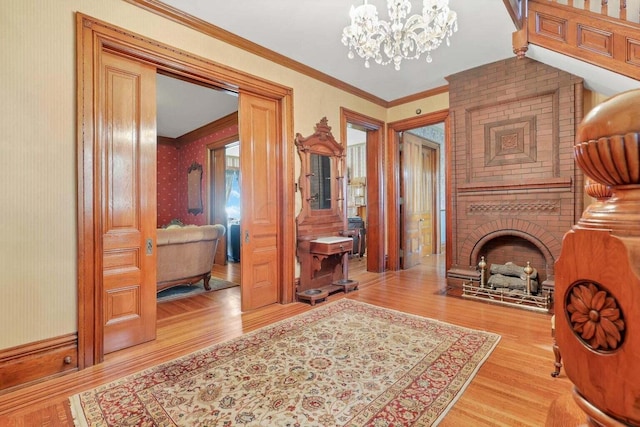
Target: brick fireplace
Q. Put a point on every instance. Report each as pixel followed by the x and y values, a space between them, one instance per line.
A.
pixel 515 187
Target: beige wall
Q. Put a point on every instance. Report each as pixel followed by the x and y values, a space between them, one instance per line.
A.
pixel 428 105
pixel 38 250
pixel 591 100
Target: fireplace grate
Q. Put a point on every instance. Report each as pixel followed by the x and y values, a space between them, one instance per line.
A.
pixel 510 298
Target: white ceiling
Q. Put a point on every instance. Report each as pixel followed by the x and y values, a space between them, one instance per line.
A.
pixel 309 31
pixel 183 107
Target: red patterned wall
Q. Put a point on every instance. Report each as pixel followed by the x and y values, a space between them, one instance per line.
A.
pixel 173 164
pixel 168 168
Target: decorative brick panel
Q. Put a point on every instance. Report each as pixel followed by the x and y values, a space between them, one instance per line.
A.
pixel 515 187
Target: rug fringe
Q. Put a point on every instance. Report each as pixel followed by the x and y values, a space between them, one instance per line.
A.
pixel 79 420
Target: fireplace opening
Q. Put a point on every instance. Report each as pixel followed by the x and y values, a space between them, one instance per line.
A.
pixel 512 249
pixel 512 270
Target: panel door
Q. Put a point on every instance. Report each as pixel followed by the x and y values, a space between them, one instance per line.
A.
pixel 428 201
pixel 259 250
pixel 127 188
pixel 411 189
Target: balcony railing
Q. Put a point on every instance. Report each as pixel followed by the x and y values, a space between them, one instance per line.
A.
pixel 605 33
pixel 625 10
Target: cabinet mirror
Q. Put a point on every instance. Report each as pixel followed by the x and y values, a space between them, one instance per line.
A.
pixel 321 180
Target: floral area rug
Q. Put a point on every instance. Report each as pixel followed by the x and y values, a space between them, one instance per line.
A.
pixel 344 363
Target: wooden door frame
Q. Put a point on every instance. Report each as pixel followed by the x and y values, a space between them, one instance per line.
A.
pixel 375 184
pixel 92 38
pixel 393 180
pixel 435 203
pixel 214 174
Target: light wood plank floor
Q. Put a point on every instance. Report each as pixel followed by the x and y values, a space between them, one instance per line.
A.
pixel 513 388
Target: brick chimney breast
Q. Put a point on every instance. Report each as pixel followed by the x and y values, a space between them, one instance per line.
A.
pixel 515 187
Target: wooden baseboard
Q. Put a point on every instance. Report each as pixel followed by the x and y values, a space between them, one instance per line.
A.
pixel 38 361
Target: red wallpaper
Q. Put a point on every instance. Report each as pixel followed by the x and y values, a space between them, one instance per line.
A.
pixel 173 165
pixel 168 167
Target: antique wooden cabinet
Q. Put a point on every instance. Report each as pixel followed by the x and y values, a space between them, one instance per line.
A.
pixel 324 241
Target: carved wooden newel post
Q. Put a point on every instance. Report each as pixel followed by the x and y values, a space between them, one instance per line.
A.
pixel 598 271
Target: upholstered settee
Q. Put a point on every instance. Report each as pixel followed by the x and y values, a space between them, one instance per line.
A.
pixel 185 254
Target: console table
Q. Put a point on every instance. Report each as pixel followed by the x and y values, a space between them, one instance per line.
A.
pixel 324 264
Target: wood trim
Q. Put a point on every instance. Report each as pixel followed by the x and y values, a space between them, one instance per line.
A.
pixel 393 180
pixel 600 40
pixel 165 140
pixel 216 32
pixel 90 339
pixel 534 184
pixel 223 142
pixel 218 125
pixel 448 190
pixel 286 177
pixel 375 184
pixel 93 38
pixel 37 361
pixel 418 96
pixel 179 63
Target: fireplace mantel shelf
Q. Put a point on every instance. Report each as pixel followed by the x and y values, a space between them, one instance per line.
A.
pixel 530 184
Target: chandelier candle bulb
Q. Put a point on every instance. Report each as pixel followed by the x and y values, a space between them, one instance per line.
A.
pixel 404 37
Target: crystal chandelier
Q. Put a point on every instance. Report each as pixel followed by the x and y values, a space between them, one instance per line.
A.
pixel 404 37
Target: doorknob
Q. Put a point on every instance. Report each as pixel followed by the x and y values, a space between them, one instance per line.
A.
pixel 246 236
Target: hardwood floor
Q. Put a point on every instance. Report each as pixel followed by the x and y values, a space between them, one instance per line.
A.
pixel 513 387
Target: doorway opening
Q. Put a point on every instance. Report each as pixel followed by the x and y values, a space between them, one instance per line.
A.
pixel 225 205
pixel 397 212
pixel 232 201
pixel 117 214
pixel 356 194
pixel 192 119
pixel 367 208
pixel 422 220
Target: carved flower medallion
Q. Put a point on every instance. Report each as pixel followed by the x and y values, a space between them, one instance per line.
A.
pixel 594 316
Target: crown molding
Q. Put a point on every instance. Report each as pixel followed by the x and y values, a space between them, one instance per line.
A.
pixel 208 129
pixel 417 96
